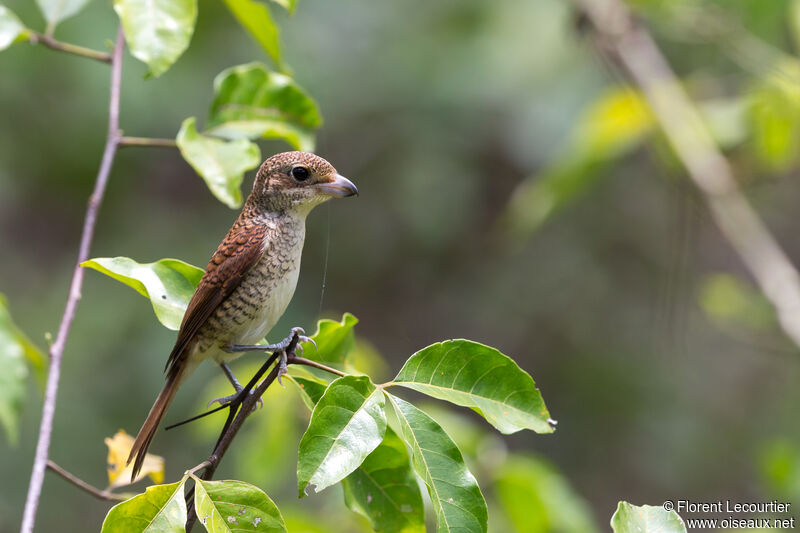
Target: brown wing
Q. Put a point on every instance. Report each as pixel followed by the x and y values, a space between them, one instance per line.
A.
pixel 236 255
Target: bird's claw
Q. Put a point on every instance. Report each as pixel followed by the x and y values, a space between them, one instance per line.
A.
pixel 226 400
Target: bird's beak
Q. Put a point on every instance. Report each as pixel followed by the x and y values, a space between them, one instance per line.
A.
pixel 340 187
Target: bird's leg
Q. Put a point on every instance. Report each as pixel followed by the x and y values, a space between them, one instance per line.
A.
pixel 296 332
pixel 236 385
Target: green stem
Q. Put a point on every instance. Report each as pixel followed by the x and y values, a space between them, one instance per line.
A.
pixel 40 38
pixel 148 141
pixel 308 362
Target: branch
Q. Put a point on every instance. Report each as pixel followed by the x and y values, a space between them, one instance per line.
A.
pixel 147 141
pixel 627 41
pixel 308 362
pixel 81 484
pixel 57 348
pixel 49 42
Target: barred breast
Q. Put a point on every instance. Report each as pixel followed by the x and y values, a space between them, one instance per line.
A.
pixel 257 304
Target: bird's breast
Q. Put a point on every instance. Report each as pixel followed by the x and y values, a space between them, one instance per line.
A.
pixel 261 298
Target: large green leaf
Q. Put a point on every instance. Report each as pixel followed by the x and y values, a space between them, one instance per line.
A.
pixel 55 11
pixel 161 509
pixel 646 519
pixel 221 164
pixel 251 102
pixel 456 497
pixel 480 377
pixel 15 348
pixel 334 340
pixel 10 27
pixel 168 283
pixel 348 422
pixel 384 489
pixel 157 31
pixel 537 499
pixel 256 19
pixel 229 506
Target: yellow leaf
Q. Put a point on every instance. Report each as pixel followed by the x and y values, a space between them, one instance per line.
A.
pixel 119 474
pixel 613 123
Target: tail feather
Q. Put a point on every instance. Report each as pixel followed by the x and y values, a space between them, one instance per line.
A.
pixel 151 423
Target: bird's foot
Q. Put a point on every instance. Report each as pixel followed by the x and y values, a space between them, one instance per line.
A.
pixel 297 333
pixel 226 400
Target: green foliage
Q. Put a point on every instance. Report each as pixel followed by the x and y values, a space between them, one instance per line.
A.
pixel 537 499
pixel 636 519
pixel 253 102
pixel 311 389
pixel 167 283
pixel 775 118
pixel 10 27
pixel 228 506
pixel 161 509
pixel 334 340
pixel 384 490
pixel 157 31
pixel 55 11
pixel 779 464
pixel 474 375
pixel 221 164
pixel 256 19
pixel 457 500
pixel 729 301
pixel 347 423
pixel 15 350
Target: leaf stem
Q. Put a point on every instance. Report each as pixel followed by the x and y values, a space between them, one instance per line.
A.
pixel 147 141
pixel 308 362
pixel 57 348
pixel 81 484
pixel 47 40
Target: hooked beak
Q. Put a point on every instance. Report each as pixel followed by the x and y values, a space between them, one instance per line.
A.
pixel 340 187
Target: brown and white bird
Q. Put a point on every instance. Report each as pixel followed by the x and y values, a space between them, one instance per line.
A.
pixel 251 278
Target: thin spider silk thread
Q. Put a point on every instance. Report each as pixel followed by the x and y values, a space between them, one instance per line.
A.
pixel 325 264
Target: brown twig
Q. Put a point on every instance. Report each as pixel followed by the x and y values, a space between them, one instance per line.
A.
pixel 308 362
pixel 147 141
pixel 81 484
pixel 48 41
pixel 631 46
pixel 57 348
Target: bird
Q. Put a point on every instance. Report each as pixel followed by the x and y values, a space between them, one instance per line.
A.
pixel 250 279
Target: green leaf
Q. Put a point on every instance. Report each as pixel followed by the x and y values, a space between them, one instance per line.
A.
pixel 456 497
pixel 10 27
pixel 537 498
pixel 311 389
pixel 228 506
pixel 775 122
pixel 251 102
pixel 256 19
pixel 168 283
pixel 55 11
pixel 157 31
pixel 15 348
pixel 642 519
pixel 161 509
pixel 480 377
pixel 384 489
pixel 221 164
pixel 335 340
pixel 346 425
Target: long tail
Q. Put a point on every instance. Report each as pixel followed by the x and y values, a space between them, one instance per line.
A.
pixel 151 423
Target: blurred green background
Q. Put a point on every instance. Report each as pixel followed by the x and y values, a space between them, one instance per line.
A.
pixel 606 279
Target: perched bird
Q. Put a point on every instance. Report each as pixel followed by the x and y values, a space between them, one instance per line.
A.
pixel 250 279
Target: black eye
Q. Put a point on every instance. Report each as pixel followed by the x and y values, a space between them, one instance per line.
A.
pixel 300 173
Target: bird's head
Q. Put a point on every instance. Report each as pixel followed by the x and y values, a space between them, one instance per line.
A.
pixel 298 180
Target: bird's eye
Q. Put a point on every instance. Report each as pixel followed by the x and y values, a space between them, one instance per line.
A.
pixel 300 173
